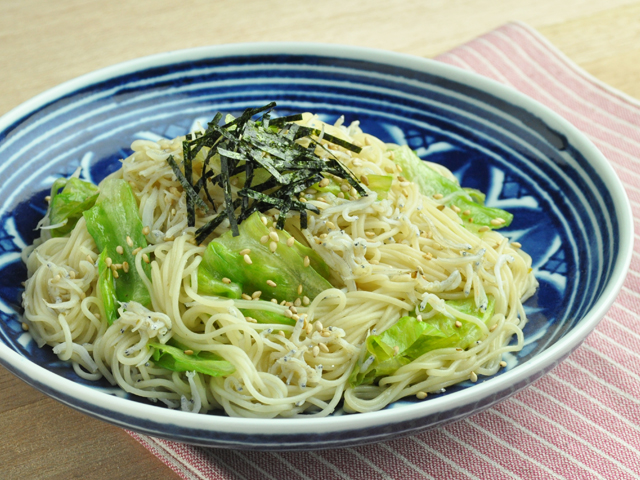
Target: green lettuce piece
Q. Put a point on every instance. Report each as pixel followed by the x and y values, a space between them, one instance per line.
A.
pixel 285 267
pixel 431 182
pixel 69 199
pixel 409 339
pixel 210 284
pixel 381 184
pixel 174 359
pixel 107 289
pixel 378 183
pixel 264 316
pixel 114 217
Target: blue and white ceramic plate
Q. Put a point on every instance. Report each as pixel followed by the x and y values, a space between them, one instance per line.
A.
pixel 571 214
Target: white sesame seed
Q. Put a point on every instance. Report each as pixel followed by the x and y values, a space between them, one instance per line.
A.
pixel 396 350
pixel 437 196
pixel 340 194
pixel 119 249
pixel 273 300
pixel 188 352
pixel 271 283
pixel 255 295
pixel 297 302
pixel 226 280
pixel 419 318
pixel 516 244
pixel 264 239
pixel 25 327
pixel 145 257
pixel 246 297
pixel 264 220
pixel 115 274
pixel 300 289
pixel 146 231
pixel 72 274
pixel 246 251
pixel 108 262
pixel 316 351
pixel 458 324
pixel 318 325
pixel 325 333
pixel 473 377
pixel 331 225
pixel 455 208
pixel 493 327
pixel 129 241
pixel 305 300
pixel 273 246
pixel 136 251
pixel 125 267
pixel 421 395
pixel 274 236
pixel 247 259
pixel 503 364
pixel 323 347
pixel 306 261
pixel 251 319
pixel 323 183
pixel 364 179
pixel 290 242
pixel 484 228
pixel 281 333
pixel 344 187
pixel 467 212
pixel 288 313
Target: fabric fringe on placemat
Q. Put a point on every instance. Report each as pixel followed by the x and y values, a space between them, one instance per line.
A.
pixel 582 420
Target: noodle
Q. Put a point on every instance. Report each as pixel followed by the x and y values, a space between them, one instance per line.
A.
pixel 403 255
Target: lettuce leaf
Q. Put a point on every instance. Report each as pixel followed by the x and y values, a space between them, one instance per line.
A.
pixel 173 358
pixel 431 182
pixel 69 199
pixel 285 267
pixel 409 339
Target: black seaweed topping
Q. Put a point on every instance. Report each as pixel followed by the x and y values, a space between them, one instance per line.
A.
pixel 244 145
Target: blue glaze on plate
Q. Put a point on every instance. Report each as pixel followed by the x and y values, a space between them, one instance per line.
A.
pixel 561 191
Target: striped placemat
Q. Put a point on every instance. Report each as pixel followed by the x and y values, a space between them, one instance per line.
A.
pixel 581 421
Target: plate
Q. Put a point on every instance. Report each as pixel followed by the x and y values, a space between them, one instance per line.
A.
pixel 571 213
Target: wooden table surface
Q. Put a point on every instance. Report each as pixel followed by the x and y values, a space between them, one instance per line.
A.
pixel 44 43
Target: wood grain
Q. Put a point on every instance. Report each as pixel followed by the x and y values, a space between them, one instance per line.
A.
pixel 44 43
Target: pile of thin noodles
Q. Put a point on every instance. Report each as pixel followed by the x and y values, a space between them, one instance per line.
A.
pixel 390 256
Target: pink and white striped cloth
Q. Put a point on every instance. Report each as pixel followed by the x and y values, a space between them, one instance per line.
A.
pixel 582 421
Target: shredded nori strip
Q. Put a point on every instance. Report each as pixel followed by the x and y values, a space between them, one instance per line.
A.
pixel 280 121
pixel 243 145
pixel 191 193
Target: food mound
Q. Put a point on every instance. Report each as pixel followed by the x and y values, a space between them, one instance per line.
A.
pixel 276 267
